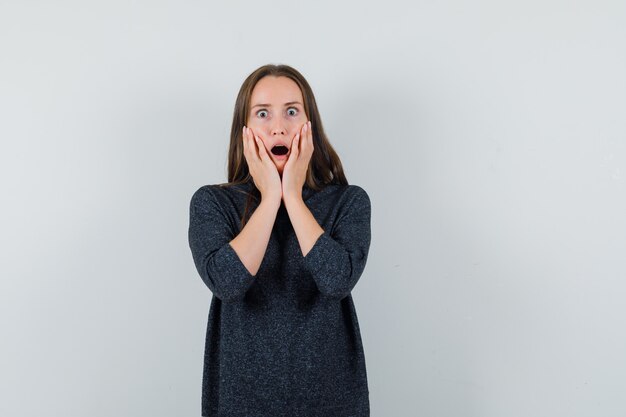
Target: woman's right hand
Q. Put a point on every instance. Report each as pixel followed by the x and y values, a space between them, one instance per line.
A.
pixel 262 168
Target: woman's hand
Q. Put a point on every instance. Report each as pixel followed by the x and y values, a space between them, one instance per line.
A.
pixel 262 168
pixel 294 173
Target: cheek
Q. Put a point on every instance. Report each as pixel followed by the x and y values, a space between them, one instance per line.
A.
pixel 258 129
pixel 254 125
pixel 296 125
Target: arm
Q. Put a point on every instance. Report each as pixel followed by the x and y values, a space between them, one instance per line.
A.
pixel 251 243
pixel 304 224
pixel 336 258
pixel 227 272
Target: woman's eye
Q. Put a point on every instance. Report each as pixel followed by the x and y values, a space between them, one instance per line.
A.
pixel 292 111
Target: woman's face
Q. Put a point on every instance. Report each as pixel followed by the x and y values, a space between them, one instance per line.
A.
pixel 276 114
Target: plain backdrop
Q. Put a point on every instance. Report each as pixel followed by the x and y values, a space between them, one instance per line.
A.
pixel 490 137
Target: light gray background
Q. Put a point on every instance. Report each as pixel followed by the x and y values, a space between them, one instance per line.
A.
pixel 489 135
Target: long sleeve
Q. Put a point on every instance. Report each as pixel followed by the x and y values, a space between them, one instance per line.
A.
pixel 338 257
pixel 217 262
pixel 282 347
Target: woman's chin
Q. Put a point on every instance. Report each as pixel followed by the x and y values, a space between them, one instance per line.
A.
pixel 279 165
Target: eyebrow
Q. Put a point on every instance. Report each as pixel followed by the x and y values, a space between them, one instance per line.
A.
pixel 269 105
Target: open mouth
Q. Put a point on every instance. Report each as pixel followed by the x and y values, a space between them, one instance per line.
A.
pixel 280 150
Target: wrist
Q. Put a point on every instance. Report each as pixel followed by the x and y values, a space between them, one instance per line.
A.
pixel 273 201
pixel 293 200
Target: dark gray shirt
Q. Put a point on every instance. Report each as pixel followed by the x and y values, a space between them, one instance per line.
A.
pixel 286 341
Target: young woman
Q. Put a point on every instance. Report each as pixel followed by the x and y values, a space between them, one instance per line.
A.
pixel 281 245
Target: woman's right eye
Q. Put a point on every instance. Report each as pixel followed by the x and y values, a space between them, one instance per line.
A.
pixel 261 111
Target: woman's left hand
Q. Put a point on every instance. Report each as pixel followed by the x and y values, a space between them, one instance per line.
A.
pixel 294 172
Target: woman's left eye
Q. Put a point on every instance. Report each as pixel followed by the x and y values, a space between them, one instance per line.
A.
pixel 292 108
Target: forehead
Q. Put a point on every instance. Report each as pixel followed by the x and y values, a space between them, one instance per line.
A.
pixel 275 91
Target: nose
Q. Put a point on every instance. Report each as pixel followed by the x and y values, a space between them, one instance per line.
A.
pixel 278 128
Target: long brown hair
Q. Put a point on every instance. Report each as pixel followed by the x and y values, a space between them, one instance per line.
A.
pixel 325 166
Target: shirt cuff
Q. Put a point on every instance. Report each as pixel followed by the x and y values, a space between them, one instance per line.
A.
pixel 231 259
pixel 324 250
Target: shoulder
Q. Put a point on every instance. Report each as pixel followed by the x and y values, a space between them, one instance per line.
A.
pixel 344 190
pixel 359 199
pixel 345 197
pixel 203 194
pixel 223 197
pixel 355 195
pixel 358 191
pixel 220 191
pixel 208 194
pixel 202 199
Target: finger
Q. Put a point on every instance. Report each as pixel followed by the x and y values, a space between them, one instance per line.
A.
pixel 303 147
pixel 244 139
pixel 302 138
pixel 250 149
pixel 253 143
pixel 262 151
pixel 295 146
pixel 310 135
